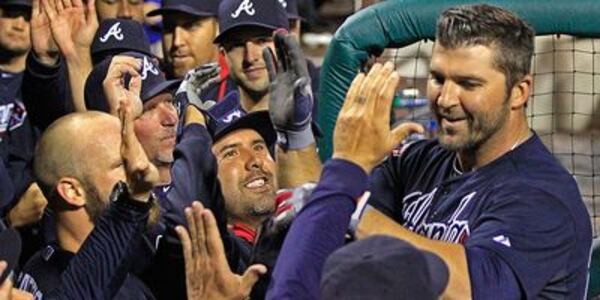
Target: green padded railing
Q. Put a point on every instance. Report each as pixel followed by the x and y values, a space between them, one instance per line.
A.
pixel 398 23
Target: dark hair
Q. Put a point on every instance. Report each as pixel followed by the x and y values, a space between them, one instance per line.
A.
pixel 511 38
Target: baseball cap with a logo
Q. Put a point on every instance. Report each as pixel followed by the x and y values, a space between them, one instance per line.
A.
pixel 268 14
pixel 291 7
pixel 24 3
pixel 153 82
pixel 119 35
pixel 199 8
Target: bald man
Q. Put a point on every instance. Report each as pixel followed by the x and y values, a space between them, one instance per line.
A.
pixel 78 180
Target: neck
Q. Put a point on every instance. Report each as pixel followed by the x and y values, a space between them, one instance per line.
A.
pixel 252 222
pixel 72 228
pixel 253 101
pixel 500 143
pixel 14 64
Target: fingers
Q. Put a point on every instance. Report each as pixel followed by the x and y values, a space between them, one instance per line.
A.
pixel 141 174
pixel 213 239
pixel 193 232
pixel 270 63
pixel 402 131
pixel 385 95
pixel 49 9
pixel 66 4
pixel 36 9
pixel 296 57
pixel 6 286
pixel 282 57
pixel 121 65
pixel 197 211
pixel 59 6
pixel 352 92
pixel 251 276
pixel 186 244
pixel 91 17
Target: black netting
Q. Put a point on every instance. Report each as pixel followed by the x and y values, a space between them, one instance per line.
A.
pixel 564 108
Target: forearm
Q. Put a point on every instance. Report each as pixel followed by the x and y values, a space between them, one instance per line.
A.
pixel 316 232
pixel 107 255
pixel 459 287
pixel 45 91
pixel 79 67
pixel 296 167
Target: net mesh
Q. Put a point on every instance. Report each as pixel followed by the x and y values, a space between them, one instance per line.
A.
pixel 564 108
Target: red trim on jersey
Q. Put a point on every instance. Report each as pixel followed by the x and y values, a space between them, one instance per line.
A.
pixel 224 75
pixel 244 232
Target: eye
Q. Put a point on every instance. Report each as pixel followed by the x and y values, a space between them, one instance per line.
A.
pixel 437 79
pixel 229 153
pixel 260 147
pixel 469 84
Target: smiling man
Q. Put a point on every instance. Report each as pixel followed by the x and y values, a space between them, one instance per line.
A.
pixel 247 172
pixel 246 29
pixel 189 27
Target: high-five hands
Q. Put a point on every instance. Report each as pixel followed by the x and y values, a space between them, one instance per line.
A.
pixel 291 99
pixel 362 133
pixel 208 275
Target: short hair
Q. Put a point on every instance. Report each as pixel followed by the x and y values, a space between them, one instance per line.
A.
pixel 511 38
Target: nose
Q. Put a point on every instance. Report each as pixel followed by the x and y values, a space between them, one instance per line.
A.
pixel 252 51
pixel 253 162
pixel 168 114
pixel 178 37
pixel 125 10
pixel 449 95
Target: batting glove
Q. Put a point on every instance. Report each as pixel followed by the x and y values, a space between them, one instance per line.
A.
pixel 291 99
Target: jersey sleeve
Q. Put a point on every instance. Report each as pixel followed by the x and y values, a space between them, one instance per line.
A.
pixel 46 91
pixel 525 230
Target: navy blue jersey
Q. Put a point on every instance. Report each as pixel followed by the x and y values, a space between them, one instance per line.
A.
pixel 520 217
pixel 102 267
pixel 46 91
pixel 194 178
pixel 42 274
pixel 17 136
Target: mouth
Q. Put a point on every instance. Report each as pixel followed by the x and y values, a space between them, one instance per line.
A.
pixel 258 184
pixel 255 72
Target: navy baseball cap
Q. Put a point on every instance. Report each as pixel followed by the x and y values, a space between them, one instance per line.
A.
pixel 26 3
pixel 200 8
pixel 291 7
pixel 268 14
pixel 10 251
pixel 258 121
pixel 119 35
pixel 153 82
pixel 383 267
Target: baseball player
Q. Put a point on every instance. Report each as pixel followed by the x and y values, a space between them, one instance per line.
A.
pixel 189 28
pixel 22 203
pixel 486 197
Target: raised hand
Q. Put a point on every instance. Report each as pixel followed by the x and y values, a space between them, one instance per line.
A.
pixel 73 26
pixel 142 175
pixel 30 207
pixel 362 132
pixel 114 87
pixel 197 80
pixel 291 100
pixel 208 275
pixel 42 42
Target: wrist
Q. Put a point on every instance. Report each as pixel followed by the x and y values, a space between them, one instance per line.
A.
pixel 295 140
pixel 47 59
